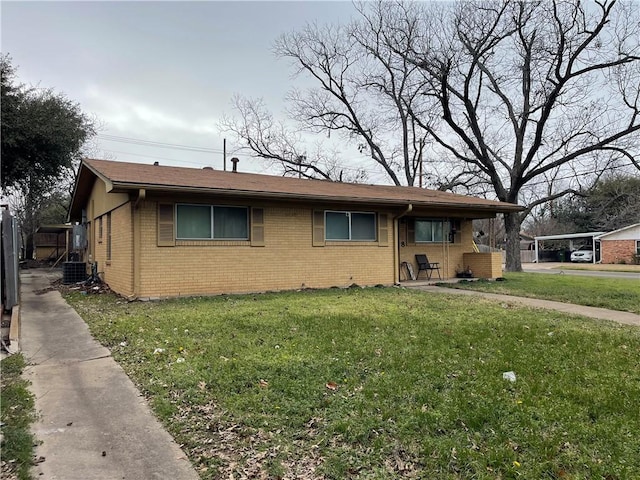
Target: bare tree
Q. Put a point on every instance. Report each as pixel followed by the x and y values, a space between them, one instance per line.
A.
pixel 528 92
pixel 282 147
pixel 523 101
pixel 364 92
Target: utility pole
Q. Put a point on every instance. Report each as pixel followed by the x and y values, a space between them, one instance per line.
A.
pixel 299 161
pixel 224 154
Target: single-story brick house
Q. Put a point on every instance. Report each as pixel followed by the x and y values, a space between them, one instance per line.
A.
pixel 620 246
pixel 159 231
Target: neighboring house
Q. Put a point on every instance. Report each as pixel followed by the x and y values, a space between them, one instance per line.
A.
pixel 526 242
pixel 621 246
pixel 527 248
pixel 159 231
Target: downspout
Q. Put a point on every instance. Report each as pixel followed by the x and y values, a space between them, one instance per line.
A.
pixel 445 256
pixel 136 247
pixel 396 239
pixel 142 193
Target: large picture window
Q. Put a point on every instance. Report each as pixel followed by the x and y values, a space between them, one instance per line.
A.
pixel 207 222
pixel 432 230
pixel 358 226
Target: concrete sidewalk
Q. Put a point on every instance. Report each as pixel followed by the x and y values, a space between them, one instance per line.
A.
pixel 93 423
pixel 626 318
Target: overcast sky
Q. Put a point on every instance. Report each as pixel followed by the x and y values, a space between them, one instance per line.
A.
pixel 159 71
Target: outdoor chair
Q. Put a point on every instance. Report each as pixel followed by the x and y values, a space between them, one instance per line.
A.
pixel 428 267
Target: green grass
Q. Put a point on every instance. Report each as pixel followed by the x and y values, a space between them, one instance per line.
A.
pixel 612 293
pixel 602 267
pixel 16 413
pixel 242 383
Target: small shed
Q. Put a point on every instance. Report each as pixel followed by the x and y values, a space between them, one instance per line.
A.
pixel 51 242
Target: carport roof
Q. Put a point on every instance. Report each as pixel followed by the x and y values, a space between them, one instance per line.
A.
pixel 569 236
pixel 54 228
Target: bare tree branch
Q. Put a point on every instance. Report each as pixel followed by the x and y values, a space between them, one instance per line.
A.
pixel 523 101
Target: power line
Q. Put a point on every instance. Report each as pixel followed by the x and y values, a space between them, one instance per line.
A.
pixel 190 148
pixel 354 168
pixel 154 157
pixel 149 143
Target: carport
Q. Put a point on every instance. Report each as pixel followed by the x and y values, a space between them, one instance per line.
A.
pixel 571 237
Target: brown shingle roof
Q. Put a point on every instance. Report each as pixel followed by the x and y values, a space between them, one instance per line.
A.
pixel 123 176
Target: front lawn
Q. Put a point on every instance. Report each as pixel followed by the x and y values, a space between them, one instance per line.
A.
pixel 380 384
pixel 612 293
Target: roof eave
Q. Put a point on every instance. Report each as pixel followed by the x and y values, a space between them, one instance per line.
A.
pixel 75 206
pixel 86 173
pixel 628 227
pixel 129 186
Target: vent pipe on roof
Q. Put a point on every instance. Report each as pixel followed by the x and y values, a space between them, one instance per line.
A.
pixel 156 164
pixel 207 168
pixel 235 161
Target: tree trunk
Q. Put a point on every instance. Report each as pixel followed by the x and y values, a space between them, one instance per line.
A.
pixel 31 211
pixel 29 247
pixel 512 224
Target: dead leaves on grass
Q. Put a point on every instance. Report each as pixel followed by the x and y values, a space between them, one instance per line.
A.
pixel 220 449
pixel 223 450
pixel 333 386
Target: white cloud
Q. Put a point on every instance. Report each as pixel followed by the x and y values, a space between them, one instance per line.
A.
pixel 130 115
pixel 158 71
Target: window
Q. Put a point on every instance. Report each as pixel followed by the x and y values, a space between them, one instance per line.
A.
pixel 355 226
pixel 100 229
pixel 638 247
pixel 109 236
pixel 431 230
pixel 206 222
pixel 89 237
pixel 194 221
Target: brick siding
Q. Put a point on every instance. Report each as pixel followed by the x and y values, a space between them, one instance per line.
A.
pixel 288 260
pixel 616 251
pixel 118 271
pixel 484 265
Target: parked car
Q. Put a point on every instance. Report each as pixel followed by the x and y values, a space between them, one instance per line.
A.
pixel 582 256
